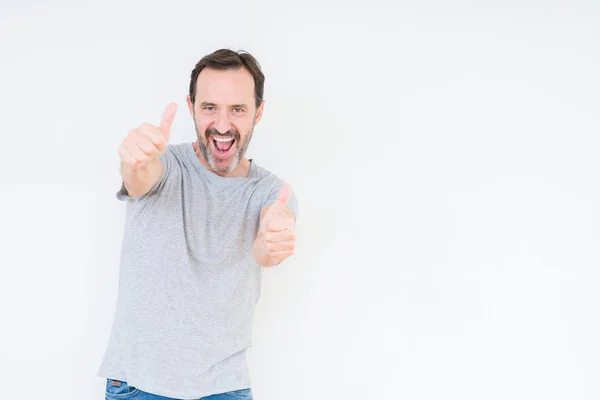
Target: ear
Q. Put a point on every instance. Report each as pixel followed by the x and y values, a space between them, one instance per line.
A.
pixel 190 105
pixel 259 111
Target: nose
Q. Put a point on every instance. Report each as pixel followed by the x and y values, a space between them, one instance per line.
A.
pixel 222 123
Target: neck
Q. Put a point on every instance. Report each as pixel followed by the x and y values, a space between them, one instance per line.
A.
pixel 242 170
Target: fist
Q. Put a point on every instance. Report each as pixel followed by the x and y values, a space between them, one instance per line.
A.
pixel 146 143
pixel 276 231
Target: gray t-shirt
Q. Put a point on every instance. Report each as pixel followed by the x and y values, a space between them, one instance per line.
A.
pixel 188 282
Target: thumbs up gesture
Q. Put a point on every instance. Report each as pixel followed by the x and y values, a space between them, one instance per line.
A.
pixel 276 238
pixel 146 143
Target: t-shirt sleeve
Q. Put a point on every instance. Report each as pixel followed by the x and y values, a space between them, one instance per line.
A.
pixel 167 159
pixel 292 203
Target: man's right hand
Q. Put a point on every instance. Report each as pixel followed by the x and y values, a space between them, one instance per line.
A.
pixel 146 143
pixel 141 167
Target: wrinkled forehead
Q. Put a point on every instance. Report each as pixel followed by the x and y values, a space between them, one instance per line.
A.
pixel 225 87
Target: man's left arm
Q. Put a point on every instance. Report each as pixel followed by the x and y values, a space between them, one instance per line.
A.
pixel 276 239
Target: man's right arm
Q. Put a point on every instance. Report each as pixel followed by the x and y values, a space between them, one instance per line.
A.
pixel 140 154
pixel 139 181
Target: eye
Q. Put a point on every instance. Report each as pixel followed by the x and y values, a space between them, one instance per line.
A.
pixel 208 108
pixel 238 110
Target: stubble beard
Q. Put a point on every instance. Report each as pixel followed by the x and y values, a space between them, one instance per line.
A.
pixel 209 156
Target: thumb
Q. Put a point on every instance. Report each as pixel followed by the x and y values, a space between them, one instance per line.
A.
pixel 167 119
pixel 281 201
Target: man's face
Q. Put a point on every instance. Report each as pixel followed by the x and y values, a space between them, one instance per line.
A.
pixel 224 114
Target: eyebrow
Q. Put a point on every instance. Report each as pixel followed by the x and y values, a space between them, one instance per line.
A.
pixel 207 104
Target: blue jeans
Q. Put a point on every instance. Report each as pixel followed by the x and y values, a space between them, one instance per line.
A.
pixel 120 390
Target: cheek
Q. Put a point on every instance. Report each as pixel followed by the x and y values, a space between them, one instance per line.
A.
pixel 202 124
pixel 243 128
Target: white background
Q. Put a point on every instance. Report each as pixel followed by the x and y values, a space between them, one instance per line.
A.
pixel 445 159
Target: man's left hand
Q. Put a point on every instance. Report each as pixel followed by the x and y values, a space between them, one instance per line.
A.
pixel 276 238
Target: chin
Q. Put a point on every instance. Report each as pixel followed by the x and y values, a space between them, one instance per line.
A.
pixel 223 167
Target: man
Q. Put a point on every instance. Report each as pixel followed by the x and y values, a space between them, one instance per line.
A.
pixel 202 220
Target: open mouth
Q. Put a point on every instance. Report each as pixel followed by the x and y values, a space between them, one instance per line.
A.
pixel 223 145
